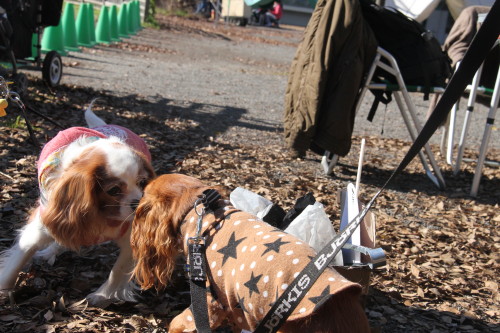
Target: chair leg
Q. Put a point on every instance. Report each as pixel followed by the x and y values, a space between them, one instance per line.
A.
pixel 442 143
pixel 463 136
pixel 451 134
pixel 435 177
pixel 470 108
pixel 328 162
pixel 486 137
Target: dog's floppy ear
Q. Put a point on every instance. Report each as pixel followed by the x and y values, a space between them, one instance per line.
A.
pixel 70 214
pixel 156 227
pixel 154 242
pixel 147 166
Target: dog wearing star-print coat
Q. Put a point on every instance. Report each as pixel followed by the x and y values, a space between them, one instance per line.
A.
pixel 249 263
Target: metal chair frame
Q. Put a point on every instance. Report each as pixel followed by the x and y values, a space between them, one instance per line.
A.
pixel 473 89
pixel 407 109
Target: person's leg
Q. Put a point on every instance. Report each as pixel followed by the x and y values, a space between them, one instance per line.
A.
pixel 262 18
pixel 270 18
pixel 199 7
pixel 202 5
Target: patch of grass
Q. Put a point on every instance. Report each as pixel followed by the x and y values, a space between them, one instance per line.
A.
pixel 162 11
pixel 13 122
pixel 176 12
pixel 151 23
pixel 181 13
pixel 17 122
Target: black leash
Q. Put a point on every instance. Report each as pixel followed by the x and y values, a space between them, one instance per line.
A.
pixel 13 96
pixel 475 55
pixel 52 121
pixel 197 264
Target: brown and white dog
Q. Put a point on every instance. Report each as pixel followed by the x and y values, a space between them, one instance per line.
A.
pixel 90 180
pixel 249 263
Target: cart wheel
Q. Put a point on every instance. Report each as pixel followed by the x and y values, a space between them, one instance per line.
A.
pixel 52 68
pixel 20 84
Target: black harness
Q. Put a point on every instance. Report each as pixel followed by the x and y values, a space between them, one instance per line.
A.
pixel 197 263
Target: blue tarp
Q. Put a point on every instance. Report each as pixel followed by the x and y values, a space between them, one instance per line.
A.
pixel 257 3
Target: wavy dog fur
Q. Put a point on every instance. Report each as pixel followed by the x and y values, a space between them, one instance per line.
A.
pixel 155 229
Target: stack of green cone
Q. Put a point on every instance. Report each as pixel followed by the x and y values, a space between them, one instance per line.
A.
pixel 90 17
pixel 123 21
pixel 53 39
pixel 113 23
pixel 69 28
pixel 82 27
pixel 103 31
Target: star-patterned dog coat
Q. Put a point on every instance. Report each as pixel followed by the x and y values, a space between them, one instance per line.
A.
pixel 250 264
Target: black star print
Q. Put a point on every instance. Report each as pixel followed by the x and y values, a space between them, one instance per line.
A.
pixel 252 284
pixel 276 298
pixel 321 298
pixel 230 249
pixel 241 304
pixel 274 246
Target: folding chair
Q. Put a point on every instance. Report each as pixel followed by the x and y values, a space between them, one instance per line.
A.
pixel 473 89
pixel 401 93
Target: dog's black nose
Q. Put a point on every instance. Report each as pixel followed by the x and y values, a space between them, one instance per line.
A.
pixel 134 204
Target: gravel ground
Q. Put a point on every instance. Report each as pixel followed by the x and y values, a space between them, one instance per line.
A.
pixel 239 73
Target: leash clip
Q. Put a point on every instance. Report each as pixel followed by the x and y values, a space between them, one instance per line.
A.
pixel 196 246
pixel 197 239
pixel 207 200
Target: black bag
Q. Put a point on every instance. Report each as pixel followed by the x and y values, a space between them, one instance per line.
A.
pixel 418 53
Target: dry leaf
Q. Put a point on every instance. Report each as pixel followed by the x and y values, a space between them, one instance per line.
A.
pixel 491 285
pixel 415 271
pixel 48 315
pixel 79 306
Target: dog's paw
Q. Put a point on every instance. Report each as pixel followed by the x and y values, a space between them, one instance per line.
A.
pixel 50 253
pixel 103 297
pixel 100 301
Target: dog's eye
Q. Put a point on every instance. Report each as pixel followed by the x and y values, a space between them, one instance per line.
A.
pixel 114 191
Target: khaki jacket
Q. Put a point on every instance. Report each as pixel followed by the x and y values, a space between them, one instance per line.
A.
pixel 326 74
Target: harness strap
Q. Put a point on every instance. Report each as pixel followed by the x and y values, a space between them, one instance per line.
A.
pixel 210 198
pixel 197 285
pixel 197 267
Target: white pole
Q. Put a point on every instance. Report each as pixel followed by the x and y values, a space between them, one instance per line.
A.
pixel 360 166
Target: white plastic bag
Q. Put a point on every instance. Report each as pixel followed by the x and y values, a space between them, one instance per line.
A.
pixel 314 227
pixel 250 202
